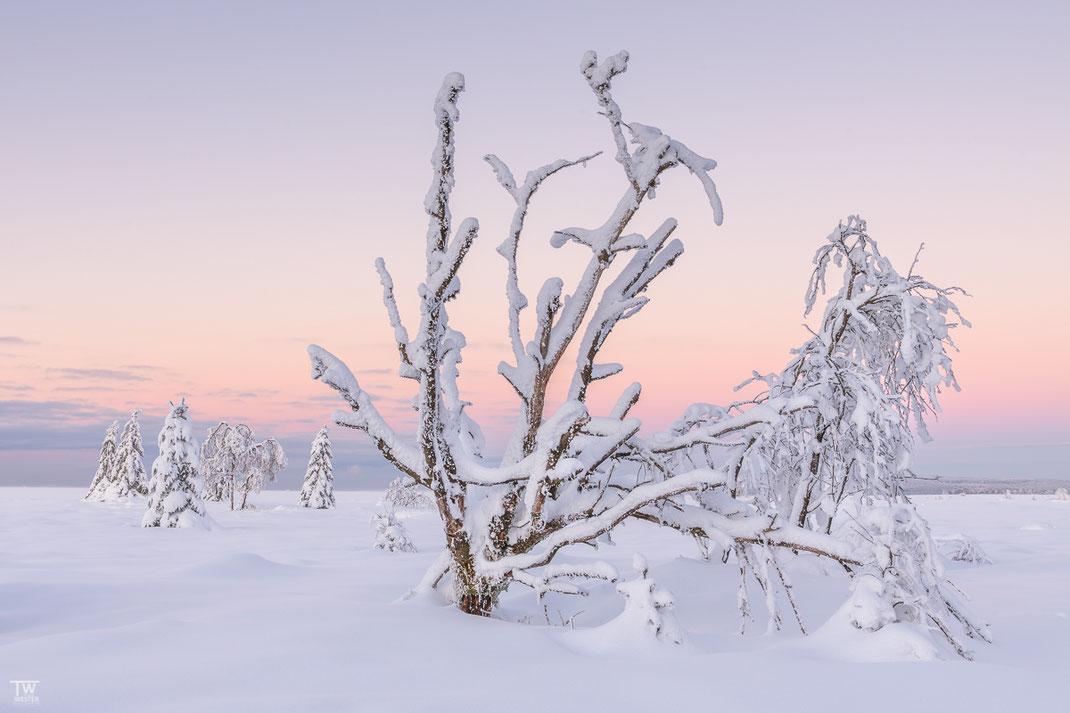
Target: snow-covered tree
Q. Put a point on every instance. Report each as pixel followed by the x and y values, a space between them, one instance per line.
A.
pixel 318 488
pixel 834 429
pixel 106 463
pixel 390 534
pixel 174 491
pixel 555 485
pixel 235 463
pixel 218 464
pixel 404 493
pixel 128 477
pixel 761 480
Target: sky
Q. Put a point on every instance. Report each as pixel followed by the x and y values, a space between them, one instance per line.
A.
pixel 191 193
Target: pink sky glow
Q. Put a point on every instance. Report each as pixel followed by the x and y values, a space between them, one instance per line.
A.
pixel 191 196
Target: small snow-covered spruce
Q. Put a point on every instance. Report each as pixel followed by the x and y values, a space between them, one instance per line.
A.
pixel 128 478
pixel 106 463
pixel 235 463
pixel 390 534
pixel 174 491
pixel 1061 494
pixel 404 493
pixel 647 606
pixel 318 489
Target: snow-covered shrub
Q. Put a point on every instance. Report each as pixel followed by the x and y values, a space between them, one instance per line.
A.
pixel 963 548
pixel 648 607
pixel 318 488
pixel 1061 494
pixel 174 491
pixel 234 462
pixel 404 493
pixel 390 534
pixel 105 465
pixel 128 476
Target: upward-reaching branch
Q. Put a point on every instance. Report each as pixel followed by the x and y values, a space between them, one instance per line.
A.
pixel 437 202
pixel 600 78
pixel 365 417
pixel 401 335
pixel 522 195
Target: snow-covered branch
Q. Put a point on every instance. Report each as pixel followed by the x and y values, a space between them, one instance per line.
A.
pixel 364 416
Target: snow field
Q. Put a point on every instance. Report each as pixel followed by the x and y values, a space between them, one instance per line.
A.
pixel 290 609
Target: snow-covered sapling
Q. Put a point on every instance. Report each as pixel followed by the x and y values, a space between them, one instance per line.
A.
pixel 963 548
pixel 234 463
pixel 1061 494
pixel 648 607
pixel 390 534
pixel 175 488
pixel 318 488
pixel 105 465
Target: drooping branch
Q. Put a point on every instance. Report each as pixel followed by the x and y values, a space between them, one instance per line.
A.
pixel 364 416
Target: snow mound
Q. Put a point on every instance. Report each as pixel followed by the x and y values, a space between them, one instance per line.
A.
pixel 242 565
pixel 840 640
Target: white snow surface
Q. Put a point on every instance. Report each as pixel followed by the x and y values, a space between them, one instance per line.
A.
pixel 290 609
